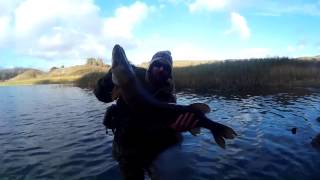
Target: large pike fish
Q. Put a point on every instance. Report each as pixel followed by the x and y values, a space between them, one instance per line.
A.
pixel 141 102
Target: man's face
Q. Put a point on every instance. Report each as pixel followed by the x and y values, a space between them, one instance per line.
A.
pixel 160 72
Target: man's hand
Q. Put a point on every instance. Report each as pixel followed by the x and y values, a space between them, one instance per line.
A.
pixel 184 122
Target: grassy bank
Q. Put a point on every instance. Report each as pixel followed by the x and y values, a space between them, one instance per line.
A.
pixel 272 73
pixel 69 75
pixel 229 75
pixel 89 80
pixel 42 80
pixel 240 75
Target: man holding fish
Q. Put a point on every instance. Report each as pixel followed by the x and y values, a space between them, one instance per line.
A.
pixel 145 120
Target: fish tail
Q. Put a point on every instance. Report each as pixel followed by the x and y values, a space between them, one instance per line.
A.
pixel 221 132
pixel 219 139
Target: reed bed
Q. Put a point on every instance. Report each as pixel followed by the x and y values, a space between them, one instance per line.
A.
pixel 228 75
pixel 249 74
pixel 238 75
pixel 89 80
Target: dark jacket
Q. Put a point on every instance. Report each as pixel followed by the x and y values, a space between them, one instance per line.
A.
pixel 141 144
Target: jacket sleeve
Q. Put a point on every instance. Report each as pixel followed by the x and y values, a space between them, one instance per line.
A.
pixel 104 87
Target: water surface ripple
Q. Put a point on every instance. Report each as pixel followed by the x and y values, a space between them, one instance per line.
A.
pixel 56 132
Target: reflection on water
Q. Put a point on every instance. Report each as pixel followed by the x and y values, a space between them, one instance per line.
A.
pixel 55 132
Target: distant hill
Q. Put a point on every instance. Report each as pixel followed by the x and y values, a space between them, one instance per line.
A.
pixel 29 74
pixel 63 75
pixel 78 70
pixel 6 74
pixel 310 57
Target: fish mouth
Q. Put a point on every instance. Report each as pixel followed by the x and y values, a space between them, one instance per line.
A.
pixel 119 56
pixel 121 68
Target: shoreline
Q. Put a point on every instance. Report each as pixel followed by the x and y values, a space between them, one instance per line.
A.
pixel 228 76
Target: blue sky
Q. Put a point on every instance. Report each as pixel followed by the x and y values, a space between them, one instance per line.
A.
pixel 46 33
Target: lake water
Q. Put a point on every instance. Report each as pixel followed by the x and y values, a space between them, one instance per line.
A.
pixel 56 132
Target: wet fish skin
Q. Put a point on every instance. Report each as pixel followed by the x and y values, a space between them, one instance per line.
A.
pixel 143 104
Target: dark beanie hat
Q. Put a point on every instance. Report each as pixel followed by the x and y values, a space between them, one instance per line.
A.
pixel 162 56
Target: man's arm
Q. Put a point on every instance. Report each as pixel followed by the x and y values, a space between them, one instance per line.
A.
pixel 104 87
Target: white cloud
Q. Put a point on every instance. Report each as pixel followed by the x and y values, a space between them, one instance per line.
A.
pixel 209 5
pixel 180 50
pixel 289 7
pixel 188 51
pixel 56 29
pixel 309 9
pixel 67 29
pixel 124 20
pixel 6 11
pixel 37 16
pixel 67 43
pixel 7 6
pixel 4 27
pixel 239 26
pixel 262 8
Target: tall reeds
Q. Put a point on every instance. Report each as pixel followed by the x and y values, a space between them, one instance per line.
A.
pixel 249 74
pixel 238 75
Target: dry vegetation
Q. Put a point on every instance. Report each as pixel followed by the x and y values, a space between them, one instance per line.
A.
pixel 62 75
pixel 228 75
pixel 89 80
pixel 251 74
pixel 29 74
pixel 238 75
pixel 180 63
pixel 6 74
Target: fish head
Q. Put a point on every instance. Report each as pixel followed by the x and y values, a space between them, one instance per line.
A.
pixel 122 72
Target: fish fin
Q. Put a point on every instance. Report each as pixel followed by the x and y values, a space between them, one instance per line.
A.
pixel 220 141
pixel 201 106
pixel 115 93
pixel 229 133
pixel 195 131
pixel 224 131
pixel 220 132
